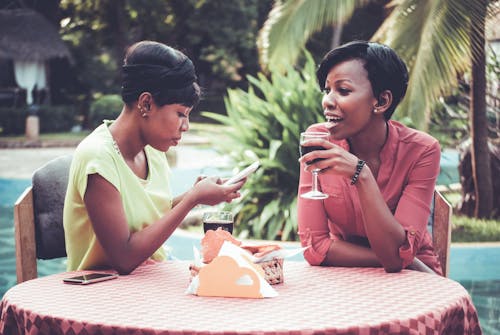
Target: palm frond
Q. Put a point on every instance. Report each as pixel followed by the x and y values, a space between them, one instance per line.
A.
pixel 433 37
pixel 290 24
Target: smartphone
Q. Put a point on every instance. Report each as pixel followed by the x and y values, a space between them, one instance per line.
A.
pixel 90 278
pixel 243 173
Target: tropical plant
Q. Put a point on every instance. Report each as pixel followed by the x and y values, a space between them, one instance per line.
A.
pixel 291 23
pixel 439 40
pixel 265 123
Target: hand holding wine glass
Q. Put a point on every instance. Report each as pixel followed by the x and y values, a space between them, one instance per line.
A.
pixel 314 194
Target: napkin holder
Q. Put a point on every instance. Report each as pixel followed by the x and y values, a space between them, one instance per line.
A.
pixel 231 274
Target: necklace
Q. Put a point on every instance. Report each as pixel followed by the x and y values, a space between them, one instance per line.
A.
pixel 115 146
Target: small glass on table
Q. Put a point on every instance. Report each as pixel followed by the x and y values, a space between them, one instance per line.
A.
pixel 315 193
pixel 214 220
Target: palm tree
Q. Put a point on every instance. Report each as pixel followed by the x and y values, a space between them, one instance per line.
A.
pixel 438 40
pixel 480 155
pixel 290 24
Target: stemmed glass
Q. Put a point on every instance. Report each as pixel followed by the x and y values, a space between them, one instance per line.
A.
pixel 314 194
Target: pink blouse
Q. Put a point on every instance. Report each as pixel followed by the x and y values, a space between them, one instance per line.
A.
pixel 409 166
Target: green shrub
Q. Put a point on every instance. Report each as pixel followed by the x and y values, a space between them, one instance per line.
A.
pixel 265 123
pixel 55 119
pixel 52 119
pixel 106 107
pixel 12 120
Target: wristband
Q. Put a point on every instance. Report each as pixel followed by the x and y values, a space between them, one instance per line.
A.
pixel 359 167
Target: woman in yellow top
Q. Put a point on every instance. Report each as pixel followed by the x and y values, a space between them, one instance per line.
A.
pixel 119 209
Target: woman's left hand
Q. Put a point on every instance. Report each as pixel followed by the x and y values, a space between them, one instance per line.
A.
pixel 199 178
pixel 211 191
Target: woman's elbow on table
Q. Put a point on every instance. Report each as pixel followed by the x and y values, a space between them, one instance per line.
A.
pixel 313 259
pixel 123 271
pixel 392 267
pixel 123 268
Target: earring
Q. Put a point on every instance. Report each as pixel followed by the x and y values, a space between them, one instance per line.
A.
pixel 141 110
pixel 375 110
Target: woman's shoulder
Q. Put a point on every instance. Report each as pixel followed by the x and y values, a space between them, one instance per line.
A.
pixel 413 136
pixel 96 144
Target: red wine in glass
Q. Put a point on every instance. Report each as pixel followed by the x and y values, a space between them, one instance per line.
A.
pixel 307 149
pixel 315 193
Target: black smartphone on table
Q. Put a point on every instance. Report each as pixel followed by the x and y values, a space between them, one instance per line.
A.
pixel 90 278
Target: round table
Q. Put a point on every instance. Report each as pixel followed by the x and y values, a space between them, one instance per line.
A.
pixel 312 300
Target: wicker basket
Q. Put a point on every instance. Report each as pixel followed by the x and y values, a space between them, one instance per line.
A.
pixel 273 271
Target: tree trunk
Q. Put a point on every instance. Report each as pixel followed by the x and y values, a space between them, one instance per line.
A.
pixel 481 170
pixel 337 34
pixel 117 23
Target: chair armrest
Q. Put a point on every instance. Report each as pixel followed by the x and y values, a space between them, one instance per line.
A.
pixel 24 232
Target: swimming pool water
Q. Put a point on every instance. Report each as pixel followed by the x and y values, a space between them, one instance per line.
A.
pixel 477 268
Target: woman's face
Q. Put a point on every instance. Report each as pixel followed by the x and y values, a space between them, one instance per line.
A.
pixel 165 125
pixel 348 101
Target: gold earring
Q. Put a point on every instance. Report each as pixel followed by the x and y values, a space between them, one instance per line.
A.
pixel 375 110
pixel 144 115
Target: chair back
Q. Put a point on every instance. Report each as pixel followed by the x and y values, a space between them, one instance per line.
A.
pixel 440 229
pixel 38 218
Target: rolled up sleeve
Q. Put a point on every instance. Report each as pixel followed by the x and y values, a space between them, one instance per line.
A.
pixel 414 205
pixel 313 228
pixel 408 250
pixel 318 244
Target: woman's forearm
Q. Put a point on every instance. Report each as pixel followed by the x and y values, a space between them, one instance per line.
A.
pixel 178 199
pixel 343 253
pixel 383 231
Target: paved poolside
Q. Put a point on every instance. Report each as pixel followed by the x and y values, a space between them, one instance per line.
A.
pixel 20 163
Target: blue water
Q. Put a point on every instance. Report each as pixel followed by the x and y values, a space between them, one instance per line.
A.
pixel 476 268
pixel 448 173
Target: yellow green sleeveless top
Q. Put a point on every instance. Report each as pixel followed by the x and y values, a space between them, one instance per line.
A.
pixel 144 200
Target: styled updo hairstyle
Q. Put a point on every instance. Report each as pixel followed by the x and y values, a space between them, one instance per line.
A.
pixel 386 70
pixel 165 72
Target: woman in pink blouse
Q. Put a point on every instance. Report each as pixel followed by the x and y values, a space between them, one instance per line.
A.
pixel 379 174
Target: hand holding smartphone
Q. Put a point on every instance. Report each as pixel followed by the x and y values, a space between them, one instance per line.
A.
pixel 243 173
pixel 90 278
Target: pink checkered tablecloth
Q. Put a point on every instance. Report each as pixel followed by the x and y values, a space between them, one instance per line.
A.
pixel 312 300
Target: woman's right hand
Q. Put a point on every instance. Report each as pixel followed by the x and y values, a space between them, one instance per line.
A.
pixel 210 191
pixel 334 159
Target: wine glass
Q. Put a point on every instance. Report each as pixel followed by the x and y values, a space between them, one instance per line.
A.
pixel 314 194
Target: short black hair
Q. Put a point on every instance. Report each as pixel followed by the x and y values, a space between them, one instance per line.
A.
pixel 386 70
pixel 165 72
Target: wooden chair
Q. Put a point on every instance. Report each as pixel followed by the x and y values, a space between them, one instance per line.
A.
pixel 38 218
pixel 440 229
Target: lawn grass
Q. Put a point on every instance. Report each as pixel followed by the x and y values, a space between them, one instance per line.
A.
pixel 465 229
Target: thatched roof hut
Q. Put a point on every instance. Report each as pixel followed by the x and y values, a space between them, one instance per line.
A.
pixel 26 35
